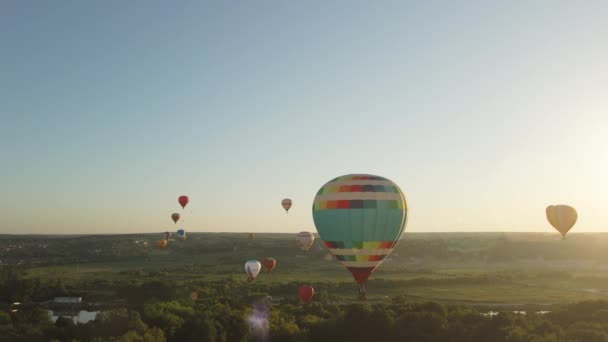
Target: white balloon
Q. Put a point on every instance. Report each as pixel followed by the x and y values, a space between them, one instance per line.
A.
pixel 304 240
pixel 252 267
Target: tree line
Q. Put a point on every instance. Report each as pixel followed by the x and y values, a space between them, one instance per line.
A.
pixel 164 310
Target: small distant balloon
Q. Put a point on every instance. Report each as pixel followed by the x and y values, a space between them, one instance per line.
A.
pixel 175 217
pixel 304 240
pixel 166 235
pixel 250 236
pixel 286 203
pixel 252 267
pixel 181 234
pixel 306 292
pixel 562 218
pixel 183 201
pixel 161 244
pixel 269 264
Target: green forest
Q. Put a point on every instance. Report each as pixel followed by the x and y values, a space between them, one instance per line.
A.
pixel 436 287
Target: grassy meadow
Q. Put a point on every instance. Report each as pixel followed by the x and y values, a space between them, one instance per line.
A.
pixel 493 269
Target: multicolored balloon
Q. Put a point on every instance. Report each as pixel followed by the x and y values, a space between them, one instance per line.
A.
pixel 269 264
pixel 306 292
pixel 562 218
pixel 252 267
pixel 175 217
pixel 183 201
pixel 360 218
pixel 181 234
pixel 166 235
pixel 304 240
pixel 286 203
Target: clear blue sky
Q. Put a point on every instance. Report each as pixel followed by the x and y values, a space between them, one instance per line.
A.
pixel 483 112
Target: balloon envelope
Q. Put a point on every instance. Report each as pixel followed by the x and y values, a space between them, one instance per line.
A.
pixel 360 218
pixel 181 234
pixel 286 203
pixel 252 267
pixel 304 240
pixel 561 217
pixel 183 201
pixel 166 235
pixel 306 292
pixel 162 243
pixel 250 236
pixel 175 217
pixel 269 263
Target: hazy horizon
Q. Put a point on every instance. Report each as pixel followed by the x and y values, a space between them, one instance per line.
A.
pixel 483 113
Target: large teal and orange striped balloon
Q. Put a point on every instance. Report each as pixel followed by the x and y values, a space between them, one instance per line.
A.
pixel 360 218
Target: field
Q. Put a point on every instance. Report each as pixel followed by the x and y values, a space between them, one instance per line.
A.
pixel 487 269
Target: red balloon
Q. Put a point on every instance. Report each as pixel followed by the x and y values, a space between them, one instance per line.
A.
pixel 269 264
pixel 175 217
pixel 183 201
pixel 306 292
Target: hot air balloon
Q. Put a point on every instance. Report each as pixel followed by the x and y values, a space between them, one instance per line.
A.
pixel 304 240
pixel 183 201
pixel 161 244
pixel 175 217
pixel 250 236
pixel 252 267
pixel 181 234
pixel 360 218
pixel 286 203
pixel 562 218
pixel 306 292
pixel 166 235
pixel 269 264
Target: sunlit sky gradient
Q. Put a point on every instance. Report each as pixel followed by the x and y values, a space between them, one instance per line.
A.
pixel 483 112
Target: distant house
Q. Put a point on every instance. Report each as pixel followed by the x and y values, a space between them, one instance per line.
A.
pixel 77 317
pixel 67 300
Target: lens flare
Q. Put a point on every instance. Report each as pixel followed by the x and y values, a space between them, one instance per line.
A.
pixel 259 320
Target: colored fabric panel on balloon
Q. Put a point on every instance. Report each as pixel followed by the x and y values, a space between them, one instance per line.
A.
pixel 357 188
pixel 358 204
pixel 360 258
pixel 360 244
pixel 356 244
pixel 372 244
pixel 370 204
pixel 330 244
pixel 343 204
